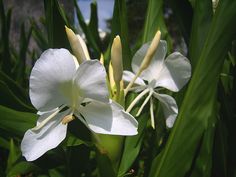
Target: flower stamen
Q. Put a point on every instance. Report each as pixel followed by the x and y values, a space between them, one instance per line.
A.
pixel 144 103
pixel 152 113
pixel 45 121
pixel 135 101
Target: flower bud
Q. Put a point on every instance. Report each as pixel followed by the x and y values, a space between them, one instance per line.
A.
pixel 116 60
pixel 151 51
pixel 78 46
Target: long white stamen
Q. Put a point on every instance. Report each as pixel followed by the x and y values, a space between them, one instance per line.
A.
pixel 144 103
pixel 152 113
pixel 45 121
pixel 132 82
pixel 134 102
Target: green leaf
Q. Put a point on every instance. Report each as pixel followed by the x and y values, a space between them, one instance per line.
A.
pixel 14 155
pixel 5 18
pixel 15 123
pixel 221 165
pixel 14 87
pixel 201 22
pixel 91 30
pixel 104 165
pixel 71 140
pixel 22 168
pixel 4 143
pixel 9 99
pixel 183 9
pixel 203 163
pixel 20 68
pixel 93 26
pixel 57 172
pixel 119 27
pixel 154 21
pixel 132 146
pixel 39 36
pixel 198 106
pixel 55 23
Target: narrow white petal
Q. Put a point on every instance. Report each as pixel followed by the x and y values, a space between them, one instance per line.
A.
pixel 109 118
pixel 152 113
pixel 36 143
pixel 169 106
pixel 156 64
pixel 90 80
pixel 175 73
pixel 128 76
pixel 51 78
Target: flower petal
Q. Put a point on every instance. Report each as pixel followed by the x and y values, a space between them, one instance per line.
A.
pixel 90 80
pixel 175 73
pixel 109 118
pixel 128 76
pixel 37 142
pixel 50 78
pixel 169 106
pixel 156 64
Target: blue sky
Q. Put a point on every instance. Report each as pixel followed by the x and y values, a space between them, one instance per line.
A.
pixel 105 11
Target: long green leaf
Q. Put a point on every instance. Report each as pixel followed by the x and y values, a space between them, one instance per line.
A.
pixel 91 30
pixel 154 21
pixel 9 99
pixel 15 123
pixel 132 146
pixel 55 22
pixel 183 9
pixel 20 68
pixel 14 87
pixel 201 22
pixel 14 154
pixel 198 105
pixel 119 27
pixel 203 163
pixel 6 63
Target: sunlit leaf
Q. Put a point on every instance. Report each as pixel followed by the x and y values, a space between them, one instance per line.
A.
pixel 198 106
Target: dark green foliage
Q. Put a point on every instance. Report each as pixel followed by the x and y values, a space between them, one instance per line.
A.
pixel 202 142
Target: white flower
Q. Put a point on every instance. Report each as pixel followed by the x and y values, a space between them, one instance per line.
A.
pixel 58 87
pixel 171 73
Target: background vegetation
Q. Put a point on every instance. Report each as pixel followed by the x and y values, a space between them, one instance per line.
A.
pixel 202 142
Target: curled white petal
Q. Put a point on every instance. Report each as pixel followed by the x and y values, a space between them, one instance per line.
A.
pixel 36 143
pixel 169 106
pixel 50 79
pixel 90 80
pixel 175 72
pixel 128 76
pixel 109 118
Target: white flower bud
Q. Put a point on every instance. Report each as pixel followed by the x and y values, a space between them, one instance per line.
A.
pixel 77 47
pixel 116 59
pixel 151 51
